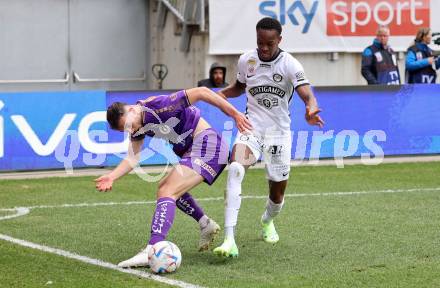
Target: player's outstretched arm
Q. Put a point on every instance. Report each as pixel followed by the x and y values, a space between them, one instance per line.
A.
pixel 105 182
pixel 312 109
pixel 206 95
pixel 233 90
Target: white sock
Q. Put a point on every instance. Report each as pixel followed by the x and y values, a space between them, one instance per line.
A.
pixel 229 234
pixel 233 197
pixel 272 210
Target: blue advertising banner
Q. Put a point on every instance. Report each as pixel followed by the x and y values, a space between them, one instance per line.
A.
pixel 390 120
pixel 40 130
pixel 402 119
pixel 67 129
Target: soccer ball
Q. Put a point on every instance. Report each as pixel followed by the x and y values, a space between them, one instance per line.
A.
pixel 164 257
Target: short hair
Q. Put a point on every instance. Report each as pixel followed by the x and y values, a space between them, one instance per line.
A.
pixel 382 27
pixel 114 114
pixel 268 23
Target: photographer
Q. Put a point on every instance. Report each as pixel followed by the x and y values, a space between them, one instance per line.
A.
pixel 420 62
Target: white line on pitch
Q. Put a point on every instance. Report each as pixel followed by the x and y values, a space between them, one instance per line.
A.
pixel 20 211
pixel 347 193
pixel 97 262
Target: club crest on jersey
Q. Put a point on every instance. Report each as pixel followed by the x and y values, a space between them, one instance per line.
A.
pixel 277 77
pixel 173 96
pixel 267 90
pixel 267 102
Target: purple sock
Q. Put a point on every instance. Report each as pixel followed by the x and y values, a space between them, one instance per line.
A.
pixel 163 219
pixel 188 205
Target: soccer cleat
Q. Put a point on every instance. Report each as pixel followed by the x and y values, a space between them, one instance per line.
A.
pixel 139 260
pixel 208 234
pixel 270 235
pixel 227 249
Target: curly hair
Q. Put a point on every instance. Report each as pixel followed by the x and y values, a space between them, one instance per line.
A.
pixel 268 23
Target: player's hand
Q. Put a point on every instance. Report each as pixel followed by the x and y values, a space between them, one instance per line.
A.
pixel 104 183
pixel 243 124
pixel 431 60
pixel 313 118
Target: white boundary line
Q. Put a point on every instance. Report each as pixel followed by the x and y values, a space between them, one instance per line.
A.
pixel 97 262
pixel 21 211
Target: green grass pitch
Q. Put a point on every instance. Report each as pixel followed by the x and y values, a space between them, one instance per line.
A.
pixel 372 239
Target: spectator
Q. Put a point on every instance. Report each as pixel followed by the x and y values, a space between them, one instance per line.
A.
pixel 217 76
pixel 379 63
pixel 420 61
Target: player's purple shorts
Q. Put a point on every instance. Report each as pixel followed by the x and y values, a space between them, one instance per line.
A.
pixel 208 155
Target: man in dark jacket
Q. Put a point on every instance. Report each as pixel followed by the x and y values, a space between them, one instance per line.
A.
pixel 217 76
pixel 379 63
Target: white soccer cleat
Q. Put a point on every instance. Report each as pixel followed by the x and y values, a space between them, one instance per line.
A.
pixel 208 234
pixel 139 260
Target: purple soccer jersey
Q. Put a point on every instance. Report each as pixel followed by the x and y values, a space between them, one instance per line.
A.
pixel 173 118
pixel 170 117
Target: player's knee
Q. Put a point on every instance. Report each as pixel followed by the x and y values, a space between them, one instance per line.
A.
pixel 236 171
pixel 243 155
pixel 277 197
pixel 166 190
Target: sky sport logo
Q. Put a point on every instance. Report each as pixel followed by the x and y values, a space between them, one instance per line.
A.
pixel 361 18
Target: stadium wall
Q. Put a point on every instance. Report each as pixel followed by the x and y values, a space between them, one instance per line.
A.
pixel 39 131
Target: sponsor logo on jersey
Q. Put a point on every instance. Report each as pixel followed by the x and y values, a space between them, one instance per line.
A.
pixel 252 62
pixel 204 165
pixel 264 65
pixel 277 77
pixel 267 89
pixel 300 76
